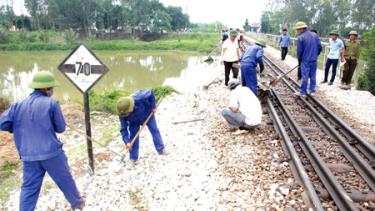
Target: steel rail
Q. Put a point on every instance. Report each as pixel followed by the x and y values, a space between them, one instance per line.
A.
pixel 337 192
pixel 307 184
pixel 363 168
pixel 361 144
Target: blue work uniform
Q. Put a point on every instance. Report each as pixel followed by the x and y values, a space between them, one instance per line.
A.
pixel 252 56
pixel 144 103
pixel 34 123
pixel 308 50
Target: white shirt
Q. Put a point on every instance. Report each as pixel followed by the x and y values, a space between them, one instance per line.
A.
pixel 335 48
pixel 230 50
pixel 247 103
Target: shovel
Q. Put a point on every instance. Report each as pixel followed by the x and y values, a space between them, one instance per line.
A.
pixel 210 59
pixel 278 79
pixel 116 164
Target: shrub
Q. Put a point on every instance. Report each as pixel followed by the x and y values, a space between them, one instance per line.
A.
pixel 107 100
pixel 366 81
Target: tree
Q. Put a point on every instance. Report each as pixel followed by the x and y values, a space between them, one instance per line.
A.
pixel 367 80
pixel 265 25
pixel 247 26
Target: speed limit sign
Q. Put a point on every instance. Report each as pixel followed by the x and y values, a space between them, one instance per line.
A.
pixel 83 68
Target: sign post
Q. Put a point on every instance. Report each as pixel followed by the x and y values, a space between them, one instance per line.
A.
pixel 84 69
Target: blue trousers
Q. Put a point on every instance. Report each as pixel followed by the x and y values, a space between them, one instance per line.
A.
pixel 249 77
pixel 334 63
pixel 156 137
pixel 33 174
pixel 308 70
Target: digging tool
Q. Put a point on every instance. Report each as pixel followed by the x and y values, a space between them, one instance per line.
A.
pixel 278 79
pixel 210 59
pixel 116 165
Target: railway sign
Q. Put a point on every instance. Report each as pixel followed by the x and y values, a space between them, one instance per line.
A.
pixel 83 68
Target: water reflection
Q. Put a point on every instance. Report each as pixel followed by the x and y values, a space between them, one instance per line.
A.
pixel 128 70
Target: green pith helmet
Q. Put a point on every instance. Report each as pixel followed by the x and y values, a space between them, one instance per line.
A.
pixel 43 79
pixel 353 33
pixel 233 33
pixel 334 32
pixel 300 25
pixel 261 42
pixel 125 106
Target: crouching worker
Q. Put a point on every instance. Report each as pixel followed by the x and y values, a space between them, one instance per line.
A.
pixel 133 112
pixel 244 110
pixel 34 123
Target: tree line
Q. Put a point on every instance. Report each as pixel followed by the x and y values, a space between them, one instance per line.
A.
pixel 85 15
pixel 321 15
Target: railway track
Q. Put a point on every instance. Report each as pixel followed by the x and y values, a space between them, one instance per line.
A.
pixel 333 163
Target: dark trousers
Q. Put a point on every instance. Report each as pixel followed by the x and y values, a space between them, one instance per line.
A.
pixel 348 72
pixel 284 52
pixel 228 67
pixel 33 174
pixel 334 63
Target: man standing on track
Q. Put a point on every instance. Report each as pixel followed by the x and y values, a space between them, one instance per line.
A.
pixel 351 56
pixel 34 123
pixel 133 111
pixel 230 54
pixel 308 50
pixel 336 51
pixel 252 56
pixel 285 42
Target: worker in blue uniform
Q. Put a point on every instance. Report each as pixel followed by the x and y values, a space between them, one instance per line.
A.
pixel 252 56
pixel 133 112
pixel 308 50
pixel 34 123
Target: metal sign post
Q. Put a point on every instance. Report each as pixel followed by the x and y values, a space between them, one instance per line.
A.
pixel 84 69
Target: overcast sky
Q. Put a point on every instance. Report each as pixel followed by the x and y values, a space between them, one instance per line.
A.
pixel 232 13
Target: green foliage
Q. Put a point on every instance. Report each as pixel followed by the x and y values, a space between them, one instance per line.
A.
pixel 322 15
pixel 9 168
pixel 107 100
pixel 366 80
pixel 163 91
pixel 69 36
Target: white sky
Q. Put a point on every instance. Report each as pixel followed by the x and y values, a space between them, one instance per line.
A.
pixel 232 13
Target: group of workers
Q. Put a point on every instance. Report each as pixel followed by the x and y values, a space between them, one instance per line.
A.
pixel 35 120
pixel 240 111
pixel 308 44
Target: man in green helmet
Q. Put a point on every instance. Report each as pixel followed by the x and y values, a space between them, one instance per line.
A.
pixel 351 54
pixel 34 123
pixel 133 112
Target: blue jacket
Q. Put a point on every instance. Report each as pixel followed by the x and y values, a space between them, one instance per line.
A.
pixel 252 56
pixel 34 123
pixel 144 102
pixel 285 41
pixel 308 47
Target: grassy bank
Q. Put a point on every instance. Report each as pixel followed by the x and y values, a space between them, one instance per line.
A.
pixel 203 42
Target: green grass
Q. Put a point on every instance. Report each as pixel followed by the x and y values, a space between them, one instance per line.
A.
pixel 202 42
pixel 9 179
pixel 107 100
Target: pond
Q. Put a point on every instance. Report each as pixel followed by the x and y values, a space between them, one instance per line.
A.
pixel 129 70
